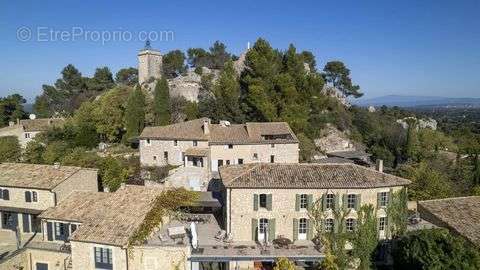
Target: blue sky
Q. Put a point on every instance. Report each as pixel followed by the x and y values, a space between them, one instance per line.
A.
pixel 408 47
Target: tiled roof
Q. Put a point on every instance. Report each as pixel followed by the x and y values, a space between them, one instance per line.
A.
pixel 34 175
pixel 189 130
pixel 249 133
pixel 106 218
pixel 41 124
pixel 306 175
pixel 462 215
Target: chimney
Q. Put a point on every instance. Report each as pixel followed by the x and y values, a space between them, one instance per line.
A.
pixel 206 128
pixel 56 165
pixel 380 165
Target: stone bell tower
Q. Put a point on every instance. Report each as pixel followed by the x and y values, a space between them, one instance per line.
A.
pixel 149 64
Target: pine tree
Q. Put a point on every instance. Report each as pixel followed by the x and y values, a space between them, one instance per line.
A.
pixel 161 103
pixel 134 113
pixel 227 95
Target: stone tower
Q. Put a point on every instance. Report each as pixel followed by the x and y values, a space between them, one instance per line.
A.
pixel 149 64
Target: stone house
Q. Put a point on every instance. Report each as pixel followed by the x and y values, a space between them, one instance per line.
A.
pixel 269 201
pixel 25 130
pixel 28 189
pixel 199 147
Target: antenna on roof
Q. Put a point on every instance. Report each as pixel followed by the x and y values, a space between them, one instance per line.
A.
pixel 147 45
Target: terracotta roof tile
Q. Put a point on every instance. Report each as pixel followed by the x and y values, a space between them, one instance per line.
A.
pixel 35 175
pixel 306 175
pixel 462 215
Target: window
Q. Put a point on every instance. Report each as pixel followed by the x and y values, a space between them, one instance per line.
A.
pixel 382 223
pixel 350 224
pixel 272 145
pixel 329 225
pixel 148 142
pixel 230 146
pixel 165 155
pixel 5 194
pixel 175 143
pixel 240 161
pixel 195 143
pixel 263 200
pixel 27 135
pixel 383 199
pixel 220 162
pixel 330 201
pixel 272 159
pixel 255 156
pixel 351 201
pixel 303 201
pixel 228 162
pixel 262 229
pixel 302 226
pixel 61 233
pixel 34 196
pixel 28 196
pixel 103 258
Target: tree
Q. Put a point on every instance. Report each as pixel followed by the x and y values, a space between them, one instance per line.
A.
pixel 127 76
pixel 55 151
pixel 307 147
pixel 338 75
pixel 434 249
pixel 284 264
pixel 102 80
pixel 112 173
pixel 365 237
pixel 134 114
pixel 173 64
pixel 84 124
pixel 11 109
pixel 427 183
pixel 226 93
pixel 10 150
pixel 161 103
pixel 219 55
pixel 34 152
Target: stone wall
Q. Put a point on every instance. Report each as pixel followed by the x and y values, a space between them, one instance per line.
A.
pixel 45 198
pixel 83 256
pixel 15 262
pixel 149 65
pixel 160 258
pixel 55 260
pixel 156 148
pixel 240 211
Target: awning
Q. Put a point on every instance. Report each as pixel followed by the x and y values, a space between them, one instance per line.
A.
pixel 20 210
pixel 197 152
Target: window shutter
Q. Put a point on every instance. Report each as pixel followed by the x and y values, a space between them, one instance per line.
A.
pixel 255 202
pixel 309 201
pixel 269 202
pixel 254 229
pixel 295 229
pixel 344 202
pixel 49 231
pixel 26 223
pixel 337 201
pixel 28 196
pixel 358 202
pixel 271 229
pixel 297 202
pixel 1 193
pixel 309 229
pixel 336 224
pixel 6 195
pixel 390 194
pixel 324 202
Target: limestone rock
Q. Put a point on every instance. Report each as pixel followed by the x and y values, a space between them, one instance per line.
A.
pixel 333 140
pixel 334 92
pixel 421 123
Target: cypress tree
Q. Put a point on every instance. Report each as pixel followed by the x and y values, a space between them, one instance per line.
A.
pixel 134 113
pixel 161 103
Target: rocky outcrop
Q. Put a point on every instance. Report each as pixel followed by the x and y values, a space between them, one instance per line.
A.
pixel 421 123
pixel 334 140
pixel 335 93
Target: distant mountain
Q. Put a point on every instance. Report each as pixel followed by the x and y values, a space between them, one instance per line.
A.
pixel 414 101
